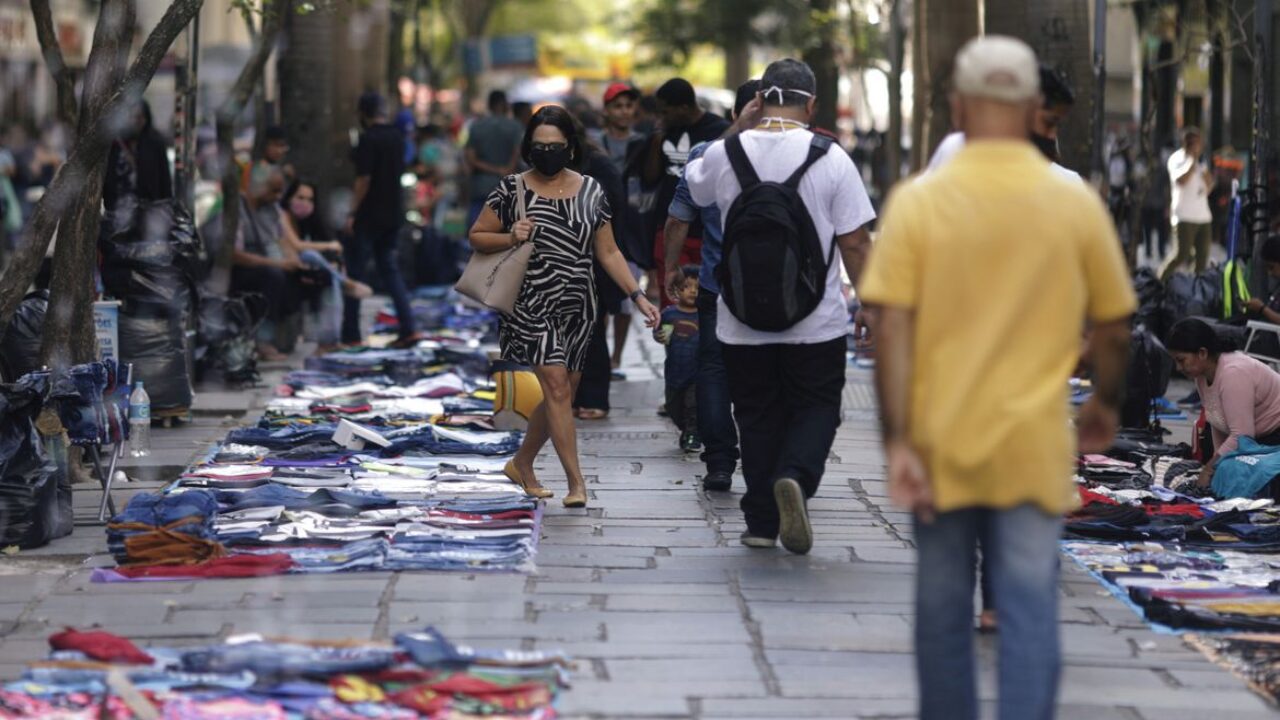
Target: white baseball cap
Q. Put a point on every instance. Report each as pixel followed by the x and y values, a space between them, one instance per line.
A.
pixel 997 67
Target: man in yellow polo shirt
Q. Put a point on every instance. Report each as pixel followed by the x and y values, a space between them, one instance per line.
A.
pixel 984 276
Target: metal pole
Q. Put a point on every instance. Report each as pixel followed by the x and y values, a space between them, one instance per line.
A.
pixel 1258 207
pixel 1100 87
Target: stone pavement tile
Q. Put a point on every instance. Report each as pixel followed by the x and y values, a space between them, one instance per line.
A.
pixel 78 585
pixel 668 669
pixel 615 700
pixel 133 611
pixel 609 557
pixel 1209 677
pixel 635 588
pixel 447 586
pixel 743 558
pixel 328 631
pixel 779 707
pixel 283 615
pixel 676 630
pixel 508 633
pixel 12 611
pixel 873 633
pixel 663 576
pixel 335 598
pixel 764 608
pixel 563 574
pixel 1166 713
pixel 867 552
pixel 711 651
pixel 431 612
pixel 672 603
pixel 30 586
pixel 1145 688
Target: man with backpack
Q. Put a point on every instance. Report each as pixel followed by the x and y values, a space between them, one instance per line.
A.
pixel 791 199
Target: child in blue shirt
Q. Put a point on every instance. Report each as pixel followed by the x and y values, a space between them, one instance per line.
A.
pixel 679 332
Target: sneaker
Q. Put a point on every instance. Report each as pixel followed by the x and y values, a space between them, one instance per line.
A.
pixel 717 481
pixel 794 529
pixel 756 541
pixel 690 443
pixel 662 411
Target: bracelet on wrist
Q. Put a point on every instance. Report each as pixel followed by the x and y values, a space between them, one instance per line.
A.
pixel 636 295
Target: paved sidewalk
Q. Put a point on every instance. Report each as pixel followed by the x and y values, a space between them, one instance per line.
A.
pixel 667 615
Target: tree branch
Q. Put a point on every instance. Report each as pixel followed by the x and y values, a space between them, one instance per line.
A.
pixel 88 151
pixel 228 115
pixel 63 80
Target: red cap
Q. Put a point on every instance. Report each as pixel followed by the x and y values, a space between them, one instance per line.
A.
pixel 617 89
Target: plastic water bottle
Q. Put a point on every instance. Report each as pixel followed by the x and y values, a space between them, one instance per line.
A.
pixel 139 422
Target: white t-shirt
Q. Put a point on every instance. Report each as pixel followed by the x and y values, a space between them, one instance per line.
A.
pixel 1190 199
pixel 833 193
pixel 954 143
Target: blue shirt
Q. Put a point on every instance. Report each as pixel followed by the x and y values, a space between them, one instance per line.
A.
pixel 683 209
pixel 681 369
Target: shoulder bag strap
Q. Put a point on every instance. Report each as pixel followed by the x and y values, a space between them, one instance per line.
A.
pixel 746 174
pixel 520 209
pixel 818 148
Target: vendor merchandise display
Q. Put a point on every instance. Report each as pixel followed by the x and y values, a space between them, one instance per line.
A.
pixel 366 459
pixel 421 675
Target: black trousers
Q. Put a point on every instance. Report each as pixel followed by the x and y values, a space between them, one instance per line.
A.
pixel 786 399
pixel 597 374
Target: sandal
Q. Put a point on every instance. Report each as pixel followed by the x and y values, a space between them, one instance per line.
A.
pixel 537 491
pixel 592 414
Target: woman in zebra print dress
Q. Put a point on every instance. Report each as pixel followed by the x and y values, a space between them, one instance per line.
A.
pixel 567 220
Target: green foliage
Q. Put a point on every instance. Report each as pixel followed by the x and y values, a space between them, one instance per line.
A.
pixel 674 29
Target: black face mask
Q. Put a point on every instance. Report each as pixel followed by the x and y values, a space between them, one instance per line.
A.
pixel 549 162
pixel 1047 146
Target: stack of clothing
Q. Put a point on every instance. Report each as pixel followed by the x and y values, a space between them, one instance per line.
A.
pixel 424 488
pixel 420 676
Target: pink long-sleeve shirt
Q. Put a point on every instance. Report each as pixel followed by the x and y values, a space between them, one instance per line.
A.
pixel 1243 401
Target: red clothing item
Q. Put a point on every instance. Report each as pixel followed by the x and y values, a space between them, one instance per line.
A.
pixel 232 566
pixel 100 645
pixel 1088 497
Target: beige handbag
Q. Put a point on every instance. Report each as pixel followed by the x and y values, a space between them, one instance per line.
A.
pixel 494 279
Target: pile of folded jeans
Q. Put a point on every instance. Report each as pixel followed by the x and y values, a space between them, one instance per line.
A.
pixel 282 495
pixel 431 309
pixel 420 675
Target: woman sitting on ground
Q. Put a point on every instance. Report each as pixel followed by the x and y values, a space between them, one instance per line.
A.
pixel 303 234
pixel 1241 395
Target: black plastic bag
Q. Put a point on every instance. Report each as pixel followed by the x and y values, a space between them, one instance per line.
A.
pixel 1147 378
pixel 1152 310
pixel 155 342
pixel 226 332
pixel 20 342
pixel 1189 295
pixel 35 494
pixel 151 253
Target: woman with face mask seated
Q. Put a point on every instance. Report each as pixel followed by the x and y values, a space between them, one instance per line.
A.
pixel 567 218
pixel 1241 395
pixel 304 234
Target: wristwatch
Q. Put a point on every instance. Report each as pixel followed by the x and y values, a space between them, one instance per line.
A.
pixel 635 296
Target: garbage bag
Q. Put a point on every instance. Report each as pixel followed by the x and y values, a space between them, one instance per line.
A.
pixel 1152 312
pixel 226 332
pixel 152 253
pixel 1146 379
pixel 35 492
pixel 155 343
pixel 1188 295
pixel 20 342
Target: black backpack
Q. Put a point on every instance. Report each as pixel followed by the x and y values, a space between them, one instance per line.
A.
pixel 772 274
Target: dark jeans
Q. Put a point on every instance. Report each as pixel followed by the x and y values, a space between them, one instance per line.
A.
pixel 1020 546
pixel 787 402
pixel 682 405
pixel 597 374
pixel 382 246
pixel 716 429
pixel 1155 225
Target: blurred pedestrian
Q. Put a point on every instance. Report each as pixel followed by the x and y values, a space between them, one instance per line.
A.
pixel 1156 206
pixel 1192 218
pixel 684 124
pixel 493 150
pixel 262 263
pixel 624 146
pixel 974 414
pixel 375 222
pixel 522 112
pixel 567 218
pixel 716 429
pixel 138 163
pixel 275 151
pixel 786 383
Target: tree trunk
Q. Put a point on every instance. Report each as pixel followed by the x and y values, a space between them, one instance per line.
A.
pixel 307 99
pixel 822 58
pixel 737 62
pixel 947 25
pixel 475 20
pixel 1060 33
pixel 88 152
pixel 395 48
pixel 894 136
pixel 64 81
pixel 227 117
pixel 67 336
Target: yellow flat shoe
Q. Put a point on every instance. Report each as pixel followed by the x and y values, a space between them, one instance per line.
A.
pixel 514 475
pixel 575 501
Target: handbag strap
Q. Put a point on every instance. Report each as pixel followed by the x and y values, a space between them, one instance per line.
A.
pixel 520 209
